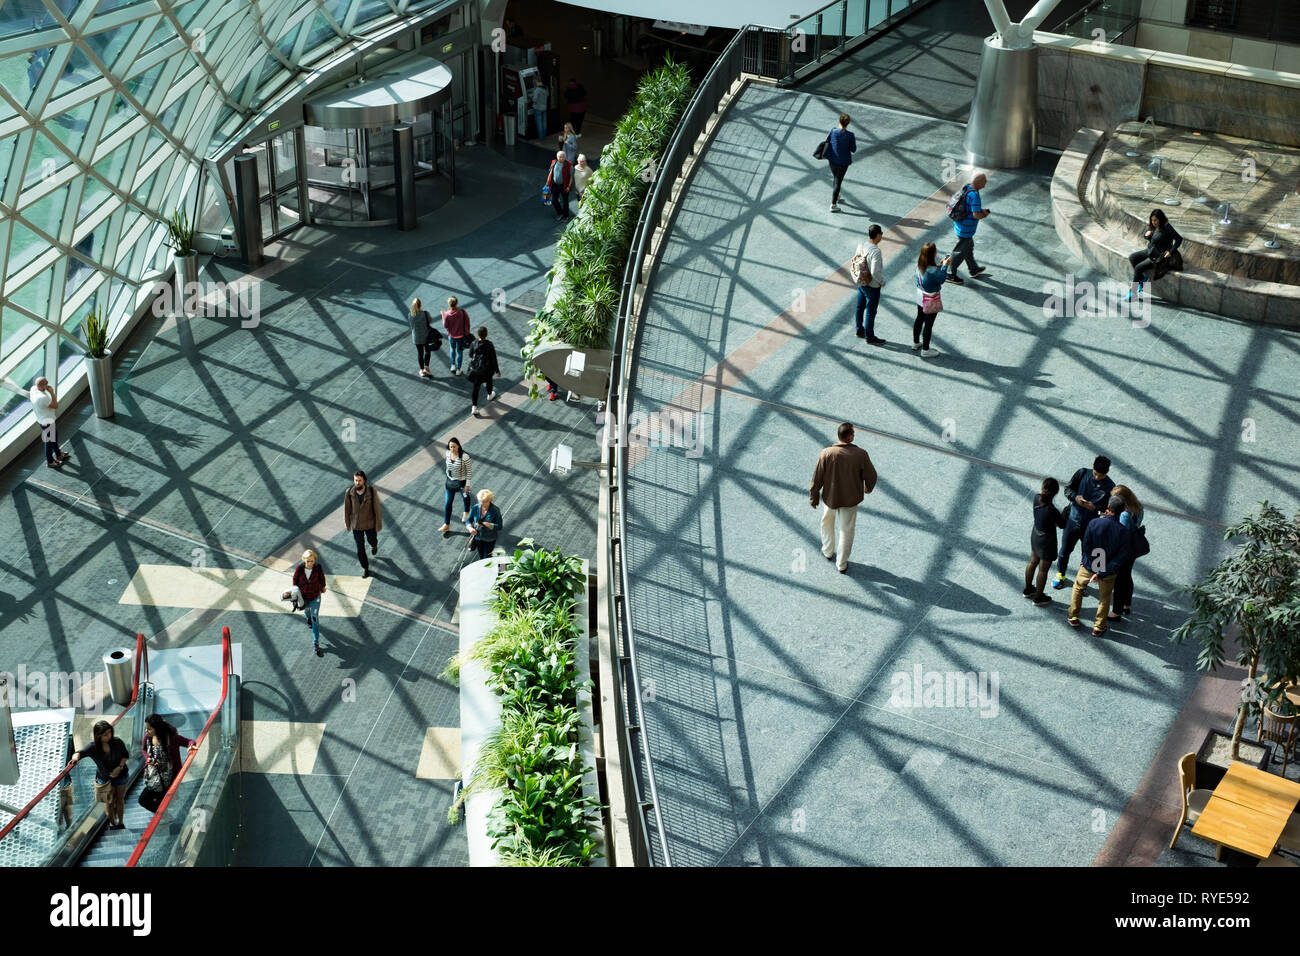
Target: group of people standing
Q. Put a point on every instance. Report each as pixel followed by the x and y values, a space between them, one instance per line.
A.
pixel 483 365
pixel 1106 519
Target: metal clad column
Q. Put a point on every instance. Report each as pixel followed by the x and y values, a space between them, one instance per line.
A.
pixel 404 176
pixel 1003 128
pixel 248 217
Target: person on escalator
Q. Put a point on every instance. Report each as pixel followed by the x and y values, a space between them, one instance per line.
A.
pixel 110 756
pixel 162 733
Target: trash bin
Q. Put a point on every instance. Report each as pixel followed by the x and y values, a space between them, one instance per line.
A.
pixel 119 666
pixel 510 129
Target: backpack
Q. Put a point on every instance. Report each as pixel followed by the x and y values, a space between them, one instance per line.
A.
pixel 859 269
pixel 477 360
pixel 957 207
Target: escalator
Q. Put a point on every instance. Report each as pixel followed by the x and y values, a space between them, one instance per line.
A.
pixel 62 825
pixel 114 847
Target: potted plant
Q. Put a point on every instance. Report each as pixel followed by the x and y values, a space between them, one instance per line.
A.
pixel 99 363
pixel 180 238
pixel 1256 590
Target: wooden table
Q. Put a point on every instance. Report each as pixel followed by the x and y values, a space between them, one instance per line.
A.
pixel 1248 811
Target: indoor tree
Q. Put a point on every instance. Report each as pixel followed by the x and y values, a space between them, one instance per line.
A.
pixel 1256 588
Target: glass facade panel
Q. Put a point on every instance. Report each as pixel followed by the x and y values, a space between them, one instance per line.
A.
pixel 12 406
pixel 61 140
pixel 70 128
pixel 16 327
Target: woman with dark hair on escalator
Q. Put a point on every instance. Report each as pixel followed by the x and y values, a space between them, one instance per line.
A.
pixel 110 756
pixel 162 759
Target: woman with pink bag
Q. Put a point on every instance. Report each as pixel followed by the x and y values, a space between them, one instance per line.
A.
pixel 930 277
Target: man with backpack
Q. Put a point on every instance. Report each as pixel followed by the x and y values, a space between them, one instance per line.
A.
pixel 559 180
pixel 966 210
pixel 869 273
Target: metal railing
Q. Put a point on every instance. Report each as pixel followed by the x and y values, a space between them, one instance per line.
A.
pixel 817 39
pixel 1104 20
pixel 80 829
pixel 227 672
pixel 634 749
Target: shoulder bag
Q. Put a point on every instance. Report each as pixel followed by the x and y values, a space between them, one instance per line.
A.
pixel 820 151
pixel 1141 546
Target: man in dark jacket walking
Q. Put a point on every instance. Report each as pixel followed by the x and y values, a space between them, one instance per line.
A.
pixel 841 145
pixel 843 476
pixel 363 517
pixel 1087 492
pixel 1105 551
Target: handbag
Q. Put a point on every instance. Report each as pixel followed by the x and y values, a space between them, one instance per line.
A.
pixel 455 484
pixel 820 151
pixel 151 800
pixel 1141 546
pixel 931 303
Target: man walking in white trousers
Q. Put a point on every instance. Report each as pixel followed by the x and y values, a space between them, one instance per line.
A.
pixel 843 477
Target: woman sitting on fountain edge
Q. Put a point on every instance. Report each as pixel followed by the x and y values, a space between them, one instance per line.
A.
pixel 1161 253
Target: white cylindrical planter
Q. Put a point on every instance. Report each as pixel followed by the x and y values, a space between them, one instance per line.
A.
pixel 187 280
pixel 99 371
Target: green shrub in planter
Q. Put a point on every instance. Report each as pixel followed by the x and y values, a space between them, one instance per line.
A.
pixel 601 238
pixel 542 577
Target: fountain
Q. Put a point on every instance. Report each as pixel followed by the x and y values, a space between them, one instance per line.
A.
pixel 1174 199
pixel 1150 121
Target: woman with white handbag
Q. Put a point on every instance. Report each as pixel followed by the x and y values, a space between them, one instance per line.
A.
pixel 930 276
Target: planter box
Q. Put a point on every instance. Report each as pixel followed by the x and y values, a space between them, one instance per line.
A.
pixel 480 708
pixel 1213 760
pixel 99 372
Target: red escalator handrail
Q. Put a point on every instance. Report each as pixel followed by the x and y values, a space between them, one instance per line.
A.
pixel 141 654
pixel 227 665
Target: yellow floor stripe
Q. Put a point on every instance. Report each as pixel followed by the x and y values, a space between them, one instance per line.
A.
pixel 254 589
pixel 277 746
pixel 440 755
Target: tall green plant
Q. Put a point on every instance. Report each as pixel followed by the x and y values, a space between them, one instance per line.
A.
pixel 180 234
pixel 1256 588
pixel 94 329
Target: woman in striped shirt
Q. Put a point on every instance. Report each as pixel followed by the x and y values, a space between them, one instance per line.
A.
pixel 458 473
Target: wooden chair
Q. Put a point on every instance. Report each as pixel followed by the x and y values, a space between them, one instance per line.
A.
pixel 1280 729
pixel 1194 800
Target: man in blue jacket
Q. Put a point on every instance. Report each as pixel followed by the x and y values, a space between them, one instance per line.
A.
pixel 841 145
pixel 1105 551
pixel 1087 493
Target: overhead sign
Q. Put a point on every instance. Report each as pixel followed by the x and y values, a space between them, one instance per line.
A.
pixel 692 28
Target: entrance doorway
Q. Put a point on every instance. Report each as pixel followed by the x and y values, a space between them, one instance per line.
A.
pixel 279 175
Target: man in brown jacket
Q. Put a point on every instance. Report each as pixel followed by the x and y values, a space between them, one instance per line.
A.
pixel 361 516
pixel 843 475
